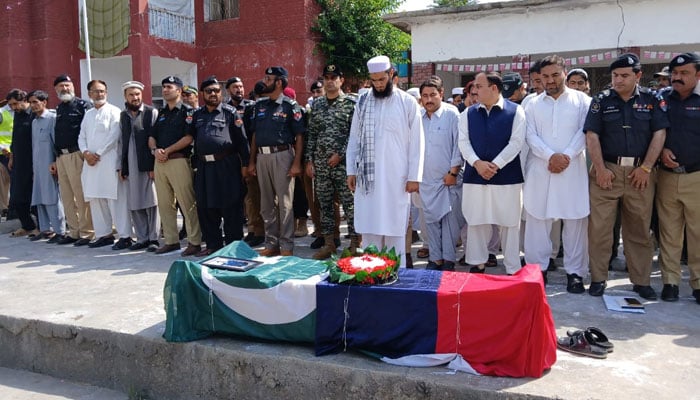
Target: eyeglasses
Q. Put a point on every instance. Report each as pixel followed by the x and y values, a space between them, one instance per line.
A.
pixel 212 90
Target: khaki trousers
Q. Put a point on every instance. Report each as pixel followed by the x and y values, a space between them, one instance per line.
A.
pixel 678 205
pixel 173 180
pixel 4 188
pixel 636 217
pixel 78 217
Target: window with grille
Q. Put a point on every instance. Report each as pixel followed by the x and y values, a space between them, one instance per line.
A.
pixel 216 10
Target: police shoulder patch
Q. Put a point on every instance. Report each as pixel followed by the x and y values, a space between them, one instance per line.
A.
pixel 595 107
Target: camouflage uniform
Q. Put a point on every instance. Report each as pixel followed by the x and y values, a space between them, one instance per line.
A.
pixel 328 132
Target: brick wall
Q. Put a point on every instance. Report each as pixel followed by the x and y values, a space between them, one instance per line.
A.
pixel 421 72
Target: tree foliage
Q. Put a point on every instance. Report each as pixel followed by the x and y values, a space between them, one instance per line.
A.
pixel 452 3
pixel 353 31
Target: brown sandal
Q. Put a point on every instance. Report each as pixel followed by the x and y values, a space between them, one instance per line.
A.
pixel 19 233
pixel 423 252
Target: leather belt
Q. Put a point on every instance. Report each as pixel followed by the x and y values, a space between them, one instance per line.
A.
pixel 217 156
pixel 173 156
pixel 682 169
pixel 68 150
pixel 272 149
pixel 625 161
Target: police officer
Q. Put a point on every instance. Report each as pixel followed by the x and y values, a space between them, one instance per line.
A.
pixel 277 129
pixel 625 131
pixel 222 158
pixel 171 143
pixel 256 226
pixel 678 195
pixel 329 129
pixel 69 162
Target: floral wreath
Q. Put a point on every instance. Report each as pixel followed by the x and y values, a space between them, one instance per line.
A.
pixel 370 267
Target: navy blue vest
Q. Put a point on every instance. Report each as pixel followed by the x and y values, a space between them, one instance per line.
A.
pixel 489 135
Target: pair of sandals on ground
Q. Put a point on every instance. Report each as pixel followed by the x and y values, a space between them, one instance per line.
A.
pixel 591 342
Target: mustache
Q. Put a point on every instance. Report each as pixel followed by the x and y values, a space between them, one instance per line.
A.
pixel 678 81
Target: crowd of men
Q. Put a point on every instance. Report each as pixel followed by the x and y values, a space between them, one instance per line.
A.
pixel 504 169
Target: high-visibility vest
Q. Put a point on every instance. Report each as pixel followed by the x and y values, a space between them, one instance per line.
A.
pixel 6 127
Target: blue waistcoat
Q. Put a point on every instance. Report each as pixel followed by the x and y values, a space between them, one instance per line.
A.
pixel 489 135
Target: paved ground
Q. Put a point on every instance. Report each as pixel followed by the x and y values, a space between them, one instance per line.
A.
pixel 23 385
pixel 656 354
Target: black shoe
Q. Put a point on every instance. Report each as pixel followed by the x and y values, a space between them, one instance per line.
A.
pixel 476 270
pixel 522 261
pixel 249 236
pixel 139 245
pixel 101 242
pixel 448 266
pixel 318 243
pixel 122 243
pixel 415 237
pixel 55 239
pixel 81 242
pixel 432 266
pixel 597 288
pixel 67 240
pixel 669 292
pixel 256 241
pixel 40 236
pixel 551 266
pixel 461 261
pixel 336 241
pixel 696 294
pixel 153 246
pixel 574 284
pixel 492 261
pixel 544 277
pixel 646 292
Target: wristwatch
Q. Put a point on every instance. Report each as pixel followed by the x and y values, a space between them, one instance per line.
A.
pixel 153 150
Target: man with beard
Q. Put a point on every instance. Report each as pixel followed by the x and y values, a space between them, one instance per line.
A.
pixel 99 143
pixel 556 184
pixel 662 77
pixel 256 226
pixel 136 123
pixel 441 188
pixel 20 163
pixel 625 132
pixel 384 159
pixel 171 145
pixel 277 129
pixel 69 162
pixel 678 194
pixel 222 158
pixel 491 135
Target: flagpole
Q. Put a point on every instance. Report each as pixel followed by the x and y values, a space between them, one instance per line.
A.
pixel 87 40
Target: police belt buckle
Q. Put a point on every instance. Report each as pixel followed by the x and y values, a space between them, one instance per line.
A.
pixel 65 151
pixel 209 158
pixel 266 150
pixel 626 161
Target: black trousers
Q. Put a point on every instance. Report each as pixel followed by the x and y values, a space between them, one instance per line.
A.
pixel 24 214
pixel 210 222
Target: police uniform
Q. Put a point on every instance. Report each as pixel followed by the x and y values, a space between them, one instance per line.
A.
pixel 174 177
pixel 221 151
pixel 678 194
pixel 625 130
pixel 69 165
pixel 275 126
pixel 329 130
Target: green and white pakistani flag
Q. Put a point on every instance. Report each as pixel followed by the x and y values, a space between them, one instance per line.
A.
pixel 274 301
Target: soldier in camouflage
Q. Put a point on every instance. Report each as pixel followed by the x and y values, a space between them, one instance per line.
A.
pixel 328 132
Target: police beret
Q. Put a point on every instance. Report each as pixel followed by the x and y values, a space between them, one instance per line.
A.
pixel 62 78
pixel 511 82
pixel 279 71
pixel 211 80
pixel 626 60
pixel 232 80
pixel 683 59
pixel 190 89
pixel 332 69
pixel 173 80
pixel 316 85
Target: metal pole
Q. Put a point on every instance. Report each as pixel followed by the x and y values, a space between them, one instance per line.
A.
pixel 87 40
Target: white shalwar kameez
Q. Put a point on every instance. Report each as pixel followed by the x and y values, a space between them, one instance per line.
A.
pixel 556 126
pixel 381 215
pixel 100 134
pixel 500 205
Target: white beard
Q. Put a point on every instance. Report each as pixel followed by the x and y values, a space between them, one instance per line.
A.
pixel 66 97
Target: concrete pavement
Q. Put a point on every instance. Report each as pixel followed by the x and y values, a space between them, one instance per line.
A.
pixel 96 316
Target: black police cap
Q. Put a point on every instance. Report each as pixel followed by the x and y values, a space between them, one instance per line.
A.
pixel 316 85
pixel 626 60
pixel 62 78
pixel 683 59
pixel 232 80
pixel 332 69
pixel 211 80
pixel 278 71
pixel 173 80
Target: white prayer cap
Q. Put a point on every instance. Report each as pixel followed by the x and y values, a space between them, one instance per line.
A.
pixel 414 91
pixel 449 100
pixel 362 91
pixel 132 84
pixel 378 64
pixel 458 91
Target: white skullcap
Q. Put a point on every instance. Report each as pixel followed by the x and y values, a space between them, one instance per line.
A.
pixel 458 90
pixel 414 91
pixel 378 64
pixel 132 84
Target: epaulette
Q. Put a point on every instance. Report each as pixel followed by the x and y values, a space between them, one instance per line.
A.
pixel 290 100
pixel 247 102
pixel 603 94
pixel 645 90
pixel 260 99
pixel 228 107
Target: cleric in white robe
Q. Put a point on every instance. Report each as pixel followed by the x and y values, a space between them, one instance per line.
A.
pixel 99 143
pixel 556 178
pixel 384 159
pixel 491 135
